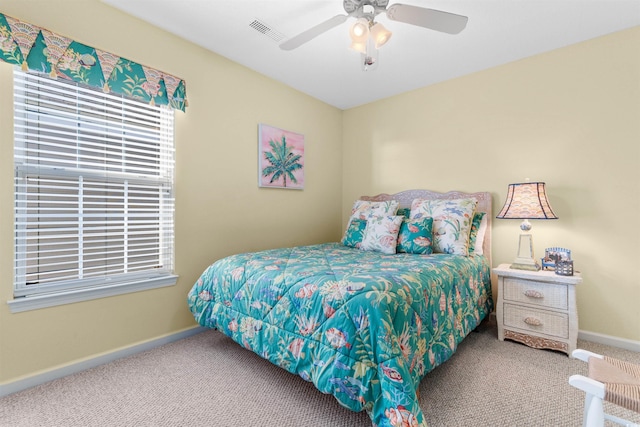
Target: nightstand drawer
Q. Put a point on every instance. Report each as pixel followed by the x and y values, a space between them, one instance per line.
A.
pixel 539 321
pixel 543 294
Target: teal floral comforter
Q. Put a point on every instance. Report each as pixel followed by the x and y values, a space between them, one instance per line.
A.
pixel 363 326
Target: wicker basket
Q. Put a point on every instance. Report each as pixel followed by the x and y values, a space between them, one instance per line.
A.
pixel 564 268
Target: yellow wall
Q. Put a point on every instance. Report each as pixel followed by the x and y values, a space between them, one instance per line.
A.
pixel 570 117
pixel 219 208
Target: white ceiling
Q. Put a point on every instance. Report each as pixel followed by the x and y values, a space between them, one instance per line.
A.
pixel 498 31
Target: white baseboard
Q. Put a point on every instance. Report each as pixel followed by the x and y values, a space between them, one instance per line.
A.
pixel 610 340
pixel 23 384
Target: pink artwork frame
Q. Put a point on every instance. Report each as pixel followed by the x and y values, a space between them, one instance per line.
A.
pixel 280 158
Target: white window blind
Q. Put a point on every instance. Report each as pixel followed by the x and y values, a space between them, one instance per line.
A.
pixel 93 187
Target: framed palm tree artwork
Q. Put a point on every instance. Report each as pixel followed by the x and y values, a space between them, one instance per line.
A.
pixel 280 158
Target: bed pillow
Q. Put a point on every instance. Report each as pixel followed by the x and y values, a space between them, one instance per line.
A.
pixel 405 212
pixel 475 237
pixel 415 236
pixel 355 232
pixel 363 209
pixel 451 222
pixel 381 234
pixel 484 224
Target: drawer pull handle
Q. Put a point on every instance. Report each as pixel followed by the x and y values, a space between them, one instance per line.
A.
pixel 533 294
pixel 532 321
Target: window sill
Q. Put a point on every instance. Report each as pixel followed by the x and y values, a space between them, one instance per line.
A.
pixel 35 302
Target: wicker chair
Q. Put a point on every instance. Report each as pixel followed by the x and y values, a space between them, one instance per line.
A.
pixel 609 379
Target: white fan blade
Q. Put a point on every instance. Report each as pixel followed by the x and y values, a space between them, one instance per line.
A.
pixel 428 18
pixel 312 32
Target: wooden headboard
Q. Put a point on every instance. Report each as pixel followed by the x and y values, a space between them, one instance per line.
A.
pixel 406 197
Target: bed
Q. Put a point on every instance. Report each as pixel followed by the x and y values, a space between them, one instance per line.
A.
pixel 362 325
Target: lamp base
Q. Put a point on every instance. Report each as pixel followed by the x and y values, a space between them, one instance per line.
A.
pixel 525 260
pixel 525 266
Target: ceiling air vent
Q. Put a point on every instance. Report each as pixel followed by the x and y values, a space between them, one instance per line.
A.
pixel 265 29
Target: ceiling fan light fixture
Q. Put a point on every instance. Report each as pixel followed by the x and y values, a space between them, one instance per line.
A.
pixel 359 31
pixel 380 35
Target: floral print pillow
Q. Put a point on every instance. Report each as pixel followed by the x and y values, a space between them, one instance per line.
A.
pixel 381 234
pixel 415 236
pixel 363 209
pixel 355 233
pixel 451 222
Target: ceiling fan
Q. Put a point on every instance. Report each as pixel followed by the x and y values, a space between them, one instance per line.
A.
pixel 365 11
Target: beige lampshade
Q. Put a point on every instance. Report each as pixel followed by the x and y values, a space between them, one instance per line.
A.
pixel 527 200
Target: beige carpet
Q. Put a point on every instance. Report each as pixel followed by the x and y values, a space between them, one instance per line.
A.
pixel 208 380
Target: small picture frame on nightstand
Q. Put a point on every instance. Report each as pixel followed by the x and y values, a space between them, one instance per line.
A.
pixel 555 255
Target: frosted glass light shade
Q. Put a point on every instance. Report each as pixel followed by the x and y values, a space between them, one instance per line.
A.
pixel 359 47
pixel 359 31
pixel 380 34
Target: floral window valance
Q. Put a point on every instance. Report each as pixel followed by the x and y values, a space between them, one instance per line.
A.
pixel 38 49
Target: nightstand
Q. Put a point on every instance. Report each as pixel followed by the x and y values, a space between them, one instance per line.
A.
pixel 537 308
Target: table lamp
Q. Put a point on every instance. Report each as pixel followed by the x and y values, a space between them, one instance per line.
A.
pixel 526 200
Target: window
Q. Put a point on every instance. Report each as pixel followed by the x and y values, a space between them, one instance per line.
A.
pixel 93 191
